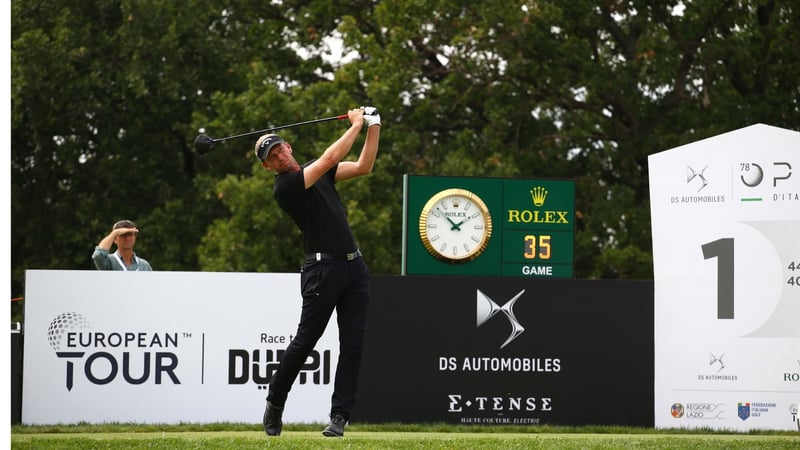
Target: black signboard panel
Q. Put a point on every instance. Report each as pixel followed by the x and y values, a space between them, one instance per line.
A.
pixel 491 350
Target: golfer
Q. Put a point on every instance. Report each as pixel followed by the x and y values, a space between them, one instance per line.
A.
pixel 334 275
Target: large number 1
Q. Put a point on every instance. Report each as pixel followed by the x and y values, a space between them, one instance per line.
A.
pixel 722 249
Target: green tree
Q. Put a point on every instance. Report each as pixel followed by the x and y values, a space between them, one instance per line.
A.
pixel 575 89
pixel 103 96
pixel 108 95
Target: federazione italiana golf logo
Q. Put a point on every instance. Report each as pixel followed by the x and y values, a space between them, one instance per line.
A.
pixel 755 409
pixel 743 410
pixel 100 357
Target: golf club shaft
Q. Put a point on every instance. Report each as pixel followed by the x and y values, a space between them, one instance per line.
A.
pixel 325 119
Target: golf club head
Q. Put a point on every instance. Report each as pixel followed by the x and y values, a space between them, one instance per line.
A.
pixel 202 144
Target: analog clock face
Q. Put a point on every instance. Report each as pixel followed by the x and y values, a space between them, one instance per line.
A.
pixel 455 225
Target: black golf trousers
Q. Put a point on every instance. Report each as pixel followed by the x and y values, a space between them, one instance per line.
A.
pixel 327 285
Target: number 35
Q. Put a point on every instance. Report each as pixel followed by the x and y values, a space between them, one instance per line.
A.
pixel 531 247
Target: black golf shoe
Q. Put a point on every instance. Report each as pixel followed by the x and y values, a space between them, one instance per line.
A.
pixel 336 427
pixel 272 419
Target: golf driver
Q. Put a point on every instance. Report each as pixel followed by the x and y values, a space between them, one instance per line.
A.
pixel 203 143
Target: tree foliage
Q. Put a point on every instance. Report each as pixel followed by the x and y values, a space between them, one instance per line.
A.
pixel 107 96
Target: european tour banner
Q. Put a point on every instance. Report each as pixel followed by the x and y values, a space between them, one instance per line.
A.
pixel 165 347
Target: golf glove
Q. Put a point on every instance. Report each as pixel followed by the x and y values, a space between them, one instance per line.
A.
pixel 371 116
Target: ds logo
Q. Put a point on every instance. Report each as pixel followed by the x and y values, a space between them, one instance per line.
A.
pixel 487 308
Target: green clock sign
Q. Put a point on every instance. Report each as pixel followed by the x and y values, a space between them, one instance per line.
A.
pixel 488 226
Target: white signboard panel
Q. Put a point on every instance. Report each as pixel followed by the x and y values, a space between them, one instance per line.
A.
pixel 726 249
pixel 165 347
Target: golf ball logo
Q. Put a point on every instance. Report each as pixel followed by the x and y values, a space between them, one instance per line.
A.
pixel 61 325
pixel 751 174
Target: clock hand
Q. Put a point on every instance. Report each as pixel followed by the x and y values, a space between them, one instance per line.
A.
pixel 454 226
pixel 461 223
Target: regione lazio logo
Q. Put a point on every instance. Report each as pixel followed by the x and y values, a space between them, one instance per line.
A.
pixel 487 308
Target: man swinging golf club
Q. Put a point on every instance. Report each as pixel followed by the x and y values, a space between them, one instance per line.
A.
pixel 334 275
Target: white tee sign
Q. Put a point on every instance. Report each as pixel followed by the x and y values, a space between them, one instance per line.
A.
pixel 726 250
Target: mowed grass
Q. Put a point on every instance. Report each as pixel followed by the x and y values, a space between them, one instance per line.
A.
pixel 388 436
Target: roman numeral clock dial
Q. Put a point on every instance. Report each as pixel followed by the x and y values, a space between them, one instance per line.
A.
pixel 455 225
